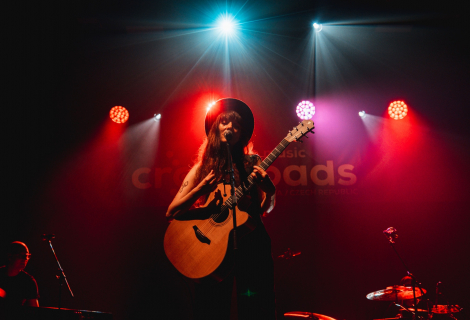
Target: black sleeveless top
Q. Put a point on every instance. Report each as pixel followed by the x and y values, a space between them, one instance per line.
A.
pixel 258 239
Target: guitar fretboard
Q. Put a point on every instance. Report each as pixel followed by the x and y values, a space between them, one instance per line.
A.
pixel 248 183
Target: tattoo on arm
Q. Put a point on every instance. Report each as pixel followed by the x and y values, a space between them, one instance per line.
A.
pixel 184 185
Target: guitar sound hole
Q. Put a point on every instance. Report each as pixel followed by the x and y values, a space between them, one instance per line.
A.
pixel 221 217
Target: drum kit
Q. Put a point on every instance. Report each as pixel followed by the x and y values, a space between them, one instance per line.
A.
pixel 406 297
pixel 402 296
pixel 391 294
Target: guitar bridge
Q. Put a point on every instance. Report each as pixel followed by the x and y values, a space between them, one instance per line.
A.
pixel 200 236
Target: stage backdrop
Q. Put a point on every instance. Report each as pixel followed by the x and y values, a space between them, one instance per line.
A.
pixel 103 189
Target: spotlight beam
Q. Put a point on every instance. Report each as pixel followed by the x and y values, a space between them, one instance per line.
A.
pixel 207 51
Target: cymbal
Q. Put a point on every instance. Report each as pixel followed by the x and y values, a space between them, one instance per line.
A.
pixel 394 293
pixel 446 308
pixel 413 309
pixel 307 315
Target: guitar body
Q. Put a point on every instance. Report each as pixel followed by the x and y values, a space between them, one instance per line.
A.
pixel 198 248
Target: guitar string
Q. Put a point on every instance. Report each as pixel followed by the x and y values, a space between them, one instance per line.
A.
pixel 209 225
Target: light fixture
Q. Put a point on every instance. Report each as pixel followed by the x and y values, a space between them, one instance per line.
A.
pixel 318 27
pixel 397 110
pixel 227 25
pixel 305 110
pixel 119 114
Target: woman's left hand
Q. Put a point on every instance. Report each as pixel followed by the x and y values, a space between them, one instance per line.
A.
pixel 262 179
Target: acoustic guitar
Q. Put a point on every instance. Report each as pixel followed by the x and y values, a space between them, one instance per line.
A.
pixel 198 248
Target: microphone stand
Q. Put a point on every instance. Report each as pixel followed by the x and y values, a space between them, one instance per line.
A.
pixel 231 174
pixel 61 275
pixel 233 195
pixel 390 234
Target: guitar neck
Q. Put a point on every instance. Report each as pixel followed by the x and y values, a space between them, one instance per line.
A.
pixel 274 154
pixel 296 134
pixel 248 184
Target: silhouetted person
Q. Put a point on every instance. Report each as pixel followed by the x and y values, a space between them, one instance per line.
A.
pixel 17 287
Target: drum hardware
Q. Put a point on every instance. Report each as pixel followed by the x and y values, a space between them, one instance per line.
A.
pixel 444 309
pixel 289 254
pixel 306 315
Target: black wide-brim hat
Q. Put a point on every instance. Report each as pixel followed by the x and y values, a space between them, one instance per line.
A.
pixel 231 104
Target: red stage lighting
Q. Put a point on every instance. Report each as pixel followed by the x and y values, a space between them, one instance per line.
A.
pixel 397 110
pixel 119 114
pixel 209 106
pixel 305 110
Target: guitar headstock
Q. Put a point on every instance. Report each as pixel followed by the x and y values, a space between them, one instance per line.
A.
pixel 301 130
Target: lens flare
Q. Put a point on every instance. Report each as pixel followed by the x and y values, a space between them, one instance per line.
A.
pixel 227 25
pixel 397 110
pixel 209 106
pixel 305 110
pixel 119 114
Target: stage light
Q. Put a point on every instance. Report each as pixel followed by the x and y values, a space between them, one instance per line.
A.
pixel 210 106
pixel 397 110
pixel 157 117
pixel 119 114
pixel 317 27
pixel 305 110
pixel 227 25
pixel 362 114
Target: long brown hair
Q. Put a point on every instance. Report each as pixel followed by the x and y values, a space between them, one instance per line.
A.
pixel 213 153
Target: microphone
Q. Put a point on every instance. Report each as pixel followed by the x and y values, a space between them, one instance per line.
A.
pixel 228 134
pixel 47 237
pixel 390 234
